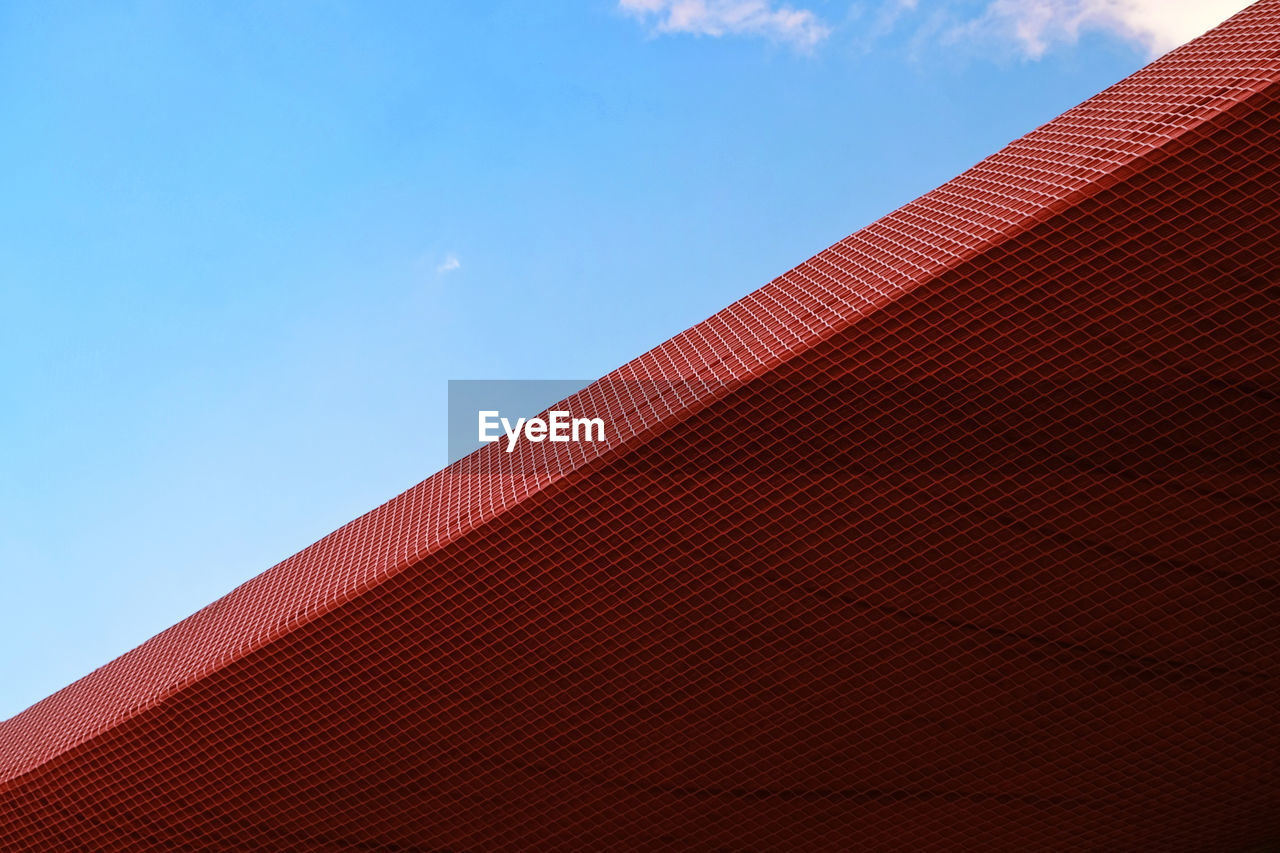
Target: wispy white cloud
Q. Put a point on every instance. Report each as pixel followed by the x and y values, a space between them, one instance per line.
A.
pixel 1157 25
pixel 449 264
pixel 800 28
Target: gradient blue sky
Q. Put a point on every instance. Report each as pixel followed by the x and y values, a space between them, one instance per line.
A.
pixel 243 246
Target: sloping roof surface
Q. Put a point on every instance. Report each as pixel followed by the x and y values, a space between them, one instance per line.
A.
pixel 963 533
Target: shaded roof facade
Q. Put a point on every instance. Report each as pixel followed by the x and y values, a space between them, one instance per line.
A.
pixel 963 533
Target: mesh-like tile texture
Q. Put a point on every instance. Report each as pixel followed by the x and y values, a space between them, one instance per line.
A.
pixel 962 534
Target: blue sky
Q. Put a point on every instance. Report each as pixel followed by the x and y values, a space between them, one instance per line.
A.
pixel 243 247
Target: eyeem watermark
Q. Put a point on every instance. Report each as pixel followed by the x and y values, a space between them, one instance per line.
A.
pixel 514 411
pixel 558 426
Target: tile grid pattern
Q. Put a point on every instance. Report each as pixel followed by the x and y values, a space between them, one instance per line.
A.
pixel 1003 502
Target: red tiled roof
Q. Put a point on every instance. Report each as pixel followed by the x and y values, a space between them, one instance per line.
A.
pixel 962 533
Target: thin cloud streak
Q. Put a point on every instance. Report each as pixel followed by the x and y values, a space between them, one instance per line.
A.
pixel 800 28
pixel 449 264
pixel 1157 25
